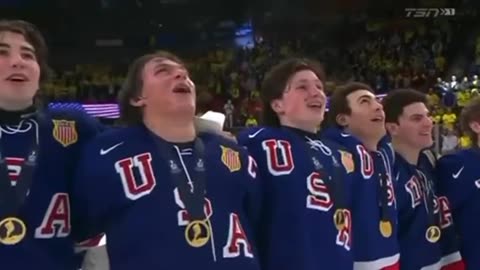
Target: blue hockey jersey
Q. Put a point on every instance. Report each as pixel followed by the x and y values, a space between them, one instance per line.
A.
pixel 459 179
pixel 46 213
pixel 420 207
pixel 297 171
pixel 374 212
pixel 125 187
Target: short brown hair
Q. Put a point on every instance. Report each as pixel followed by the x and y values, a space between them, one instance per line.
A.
pixel 339 103
pixel 396 100
pixel 133 84
pixel 33 36
pixel 276 80
pixel 469 114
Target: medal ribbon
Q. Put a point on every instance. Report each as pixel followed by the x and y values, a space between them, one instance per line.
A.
pixel 191 184
pixel 13 197
pixel 334 184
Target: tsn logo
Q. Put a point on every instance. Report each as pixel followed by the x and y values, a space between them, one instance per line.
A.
pixel 237 241
pixel 280 162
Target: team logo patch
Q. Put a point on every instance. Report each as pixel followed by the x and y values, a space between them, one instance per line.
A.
pixel 64 132
pixel 231 159
pixel 347 161
pixel 12 231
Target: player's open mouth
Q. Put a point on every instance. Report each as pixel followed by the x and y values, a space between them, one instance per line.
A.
pixel 425 134
pixel 17 78
pixel 182 89
pixel 315 105
pixel 377 119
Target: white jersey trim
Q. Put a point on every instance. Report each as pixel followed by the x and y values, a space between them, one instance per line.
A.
pixel 377 264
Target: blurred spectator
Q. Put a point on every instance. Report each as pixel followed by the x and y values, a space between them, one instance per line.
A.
pixel 229 109
pixel 465 141
pixel 449 142
pixel 251 121
pixel 449 119
pixel 432 98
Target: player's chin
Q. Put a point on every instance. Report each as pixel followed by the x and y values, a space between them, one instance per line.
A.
pixel 377 130
pixel 184 107
pixel 315 113
pixel 315 119
pixel 21 97
pixel 424 141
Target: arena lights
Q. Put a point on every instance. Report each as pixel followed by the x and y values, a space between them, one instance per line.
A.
pixel 104 110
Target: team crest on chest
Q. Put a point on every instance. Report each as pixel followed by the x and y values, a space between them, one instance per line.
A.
pixel 347 161
pixel 231 159
pixel 65 132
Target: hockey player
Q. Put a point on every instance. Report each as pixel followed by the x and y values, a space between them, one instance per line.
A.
pixel 426 233
pixel 459 180
pixel 358 121
pixel 38 151
pixel 167 197
pixel 306 221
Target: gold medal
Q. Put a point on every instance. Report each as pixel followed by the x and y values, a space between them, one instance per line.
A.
pixel 433 234
pixel 12 231
pixel 339 219
pixel 197 233
pixel 385 228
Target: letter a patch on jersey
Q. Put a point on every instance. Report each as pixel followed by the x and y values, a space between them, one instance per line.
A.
pixel 64 132
pixel 231 159
pixel 347 161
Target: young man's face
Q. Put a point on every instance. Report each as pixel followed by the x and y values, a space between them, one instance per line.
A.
pixel 414 127
pixel 19 70
pixel 303 101
pixel 367 118
pixel 167 88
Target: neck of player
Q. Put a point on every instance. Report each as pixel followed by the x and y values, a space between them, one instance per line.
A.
pixel 13 115
pixel 308 127
pixel 9 106
pixel 172 129
pixel 371 145
pixel 410 154
pixel 370 142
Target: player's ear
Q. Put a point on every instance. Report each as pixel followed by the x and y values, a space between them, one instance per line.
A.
pixel 277 106
pixel 391 128
pixel 341 120
pixel 137 101
pixel 475 127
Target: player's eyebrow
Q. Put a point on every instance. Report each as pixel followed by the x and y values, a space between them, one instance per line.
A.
pixel 415 115
pixel 23 47
pixel 161 62
pixel 306 81
pixel 364 96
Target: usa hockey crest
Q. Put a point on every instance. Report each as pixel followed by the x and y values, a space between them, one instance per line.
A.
pixel 347 161
pixel 231 159
pixel 65 132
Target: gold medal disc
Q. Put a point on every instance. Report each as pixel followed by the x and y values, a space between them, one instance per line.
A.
pixel 385 228
pixel 433 234
pixel 12 231
pixel 339 219
pixel 197 233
